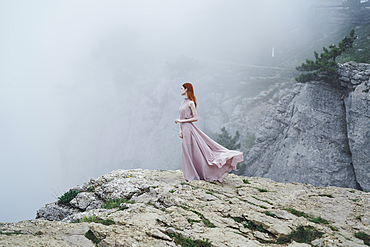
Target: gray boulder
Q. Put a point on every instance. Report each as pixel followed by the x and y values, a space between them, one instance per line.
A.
pixel 358 118
pixel 304 139
pixel 318 134
pixel 55 211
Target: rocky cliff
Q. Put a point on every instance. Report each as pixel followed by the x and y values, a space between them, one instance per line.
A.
pixel 158 208
pixel 318 134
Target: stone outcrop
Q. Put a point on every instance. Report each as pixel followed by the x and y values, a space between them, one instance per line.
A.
pixel 241 211
pixel 318 134
pixel 358 120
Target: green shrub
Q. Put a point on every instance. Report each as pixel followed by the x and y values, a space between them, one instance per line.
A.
pixel 188 242
pixel 296 212
pixel 12 233
pixel 90 235
pixel 246 181
pixel 205 221
pixel 307 216
pixel 238 219
pixel 333 228
pixel 261 190
pixel 269 214
pixel 191 221
pixel 363 236
pixel 113 203
pixel 250 225
pixel 91 189
pixel 262 200
pixel 328 195
pixel 319 220
pixel 359 217
pixel 303 234
pixel 68 196
pixel 95 219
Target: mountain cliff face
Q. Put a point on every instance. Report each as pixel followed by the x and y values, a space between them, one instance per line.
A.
pixel 318 134
pixel 158 208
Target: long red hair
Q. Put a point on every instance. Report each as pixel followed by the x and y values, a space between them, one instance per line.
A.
pixel 190 92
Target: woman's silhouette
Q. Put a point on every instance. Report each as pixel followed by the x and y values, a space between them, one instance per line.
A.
pixel 202 158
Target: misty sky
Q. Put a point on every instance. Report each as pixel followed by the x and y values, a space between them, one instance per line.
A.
pixel 52 52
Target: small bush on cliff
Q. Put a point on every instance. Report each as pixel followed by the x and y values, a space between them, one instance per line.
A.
pixel 188 242
pixel 90 235
pixel 363 236
pixel 95 219
pixel 307 216
pixel 113 203
pixel 303 234
pixel 68 196
pixel 325 67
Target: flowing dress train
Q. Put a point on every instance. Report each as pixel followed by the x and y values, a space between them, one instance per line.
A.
pixel 203 158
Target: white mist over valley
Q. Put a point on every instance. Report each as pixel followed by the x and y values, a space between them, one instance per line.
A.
pixel 88 87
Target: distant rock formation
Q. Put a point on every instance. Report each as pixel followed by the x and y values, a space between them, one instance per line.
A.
pixel 158 208
pixel 318 134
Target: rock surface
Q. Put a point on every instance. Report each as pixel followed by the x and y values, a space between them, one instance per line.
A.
pixel 241 211
pixel 318 134
pixel 358 123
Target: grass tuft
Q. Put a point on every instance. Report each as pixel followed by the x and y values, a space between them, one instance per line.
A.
pixel 91 189
pixel 307 216
pixel 261 190
pixel 12 233
pixel 95 219
pixel 363 236
pixel 327 195
pixel 250 225
pixel 359 217
pixel 90 235
pixel 303 234
pixel 191 221
pixel 262 200
pixel 246 181
pixel 269 214
pixel 205 221
pixel 113 203
pixel 238 219
pixel 319 220
pixel 333 228
pixel 188 242
pixel 68 196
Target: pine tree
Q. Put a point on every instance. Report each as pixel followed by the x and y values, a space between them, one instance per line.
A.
pixel 227 141
pixel 325 67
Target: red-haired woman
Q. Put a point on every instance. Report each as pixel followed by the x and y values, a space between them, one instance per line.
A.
pixel 202 158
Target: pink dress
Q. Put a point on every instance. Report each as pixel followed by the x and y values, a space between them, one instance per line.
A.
pixel 203 158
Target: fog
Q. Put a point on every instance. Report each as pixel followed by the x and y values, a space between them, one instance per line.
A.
pixel 92 86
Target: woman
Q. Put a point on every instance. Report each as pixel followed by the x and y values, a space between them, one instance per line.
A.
pixel 202 158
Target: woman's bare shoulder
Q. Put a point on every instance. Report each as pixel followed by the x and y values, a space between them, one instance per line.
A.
pixel 191 103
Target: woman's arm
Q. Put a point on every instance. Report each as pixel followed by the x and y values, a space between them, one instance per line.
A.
pixel 180 133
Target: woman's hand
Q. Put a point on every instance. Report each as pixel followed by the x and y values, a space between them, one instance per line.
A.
pixel 178 120
pixel 180 134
